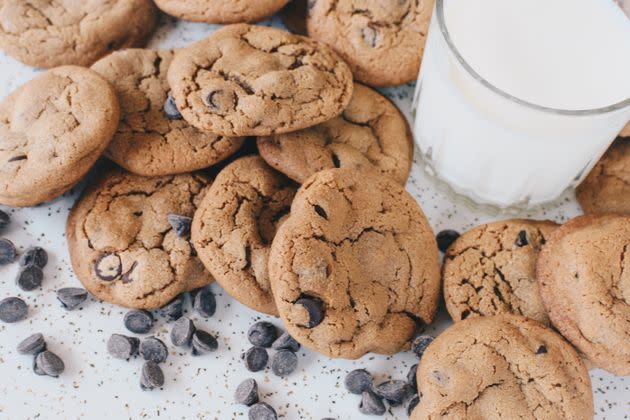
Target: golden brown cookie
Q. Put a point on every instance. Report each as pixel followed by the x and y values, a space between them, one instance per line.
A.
pixel 153 139
pixel 355 265
pixel 606 189
pixel 584 276
pixel 221 11
pixel 52 130
pixel 246 80
pixel 505 366
pixel 122 245
pixel 371 131
pixel 235 225
pixel 491 270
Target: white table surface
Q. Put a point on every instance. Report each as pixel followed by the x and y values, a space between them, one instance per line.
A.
pixel 94 385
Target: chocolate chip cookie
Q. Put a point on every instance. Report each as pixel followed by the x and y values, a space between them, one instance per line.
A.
pixel 52 130
pixel 246 80
pixel 221 11
pixel 504 366
pixel 122 245
pixel 371 131
pixel 382 41
pixel 235 225
pixel 53 33
pixel 355 266
pixel 584 276
pixel 152 138
pixel 606 189
pixel 491 270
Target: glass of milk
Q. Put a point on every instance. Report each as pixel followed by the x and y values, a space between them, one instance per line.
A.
pixel 518 99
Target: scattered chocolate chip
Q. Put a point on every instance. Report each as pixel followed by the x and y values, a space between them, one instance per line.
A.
pixel 413 402
pixel 174 309
pixel 394 391
pixel 122 347
pixel 371 404
pixel 4 219
pixel 284 362
pixel 411 376
pixel 71 297
pixel 7 252
pixel 204 302
pixel 358 381
pixel 180 224
pixel 182 332
pixel 315 310
pixel 138 321
pixel 247 392
pixel 370 36
pixel 29 278
pixel 420 344
pixel 49 363
pixel 34 256
pixel 541 350
pixel 202 343
pixel 446 238
pixel 151 376
pixel 521 239
pixel 286 342
pixel 170 109
pixel 33 344
pixel 262 334
pixel 255 359
pixel 153 349
pixel 262 411
pixel 37 369
pixel 12 309
pixel 108 266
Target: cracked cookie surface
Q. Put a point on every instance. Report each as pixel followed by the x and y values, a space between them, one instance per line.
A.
pixel 382 41
pixel 505 366
pixel 46 33
pixel 355 266
pixel 584 276
pixel 370 132
pixel 491 270
pixel 246 80
pixel 606 189
pixel 52 130
pixel 235 224
pixel 221 11
pixel 122 246
pixel 148 142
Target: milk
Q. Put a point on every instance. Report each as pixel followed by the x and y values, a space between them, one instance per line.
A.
pixel 549 55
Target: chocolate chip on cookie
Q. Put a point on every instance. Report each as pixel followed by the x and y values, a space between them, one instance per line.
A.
pixel 221 11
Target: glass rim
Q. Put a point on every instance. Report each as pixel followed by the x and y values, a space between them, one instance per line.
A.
pixel 439 8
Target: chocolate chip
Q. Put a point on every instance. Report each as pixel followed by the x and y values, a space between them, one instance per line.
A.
pixel 413 402
pixel 204 303
pixel 29 278
pixel 521 239
pixel 7 252
pixel 108 266
pixel 37 369
pixel 315 309
pixel 420 344
pixel 170 109
pixel 411 376
pixel 151 376
pixel 446 238
pixel 126 277
pixel 122 347
pixel 247 392
pixel 286 342
pixel 284 362
pixel 202 343
pixel 34 256
pixel 370 36
pixel 335 160
pixel 71 297
pixel 394 391
pixel 371 404
pixel 12 309
pixel 255 359
pixel 262 334
pixel 262 411
pixel 210 99
pixel 541 350
pixel 358 381
pixel 153 349
pixel 320 211
pixel 175 309
pixel 49 363
pixel 4 219
pixel 138 321
pixel 180 224
pixel 33 344
pixel 182 332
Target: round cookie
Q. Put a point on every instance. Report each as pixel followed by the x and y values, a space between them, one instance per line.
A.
pixel 382 41
pixel 246 80
pixel 355 266
pixel 584 276
pixel 52 130
pixel 606 189
pixel 122 246
pixel 491 270
pixel 504 366
pixel 235 224
pixel 153 139
pixel 371 131
pixel 50 33
pixel 221 11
